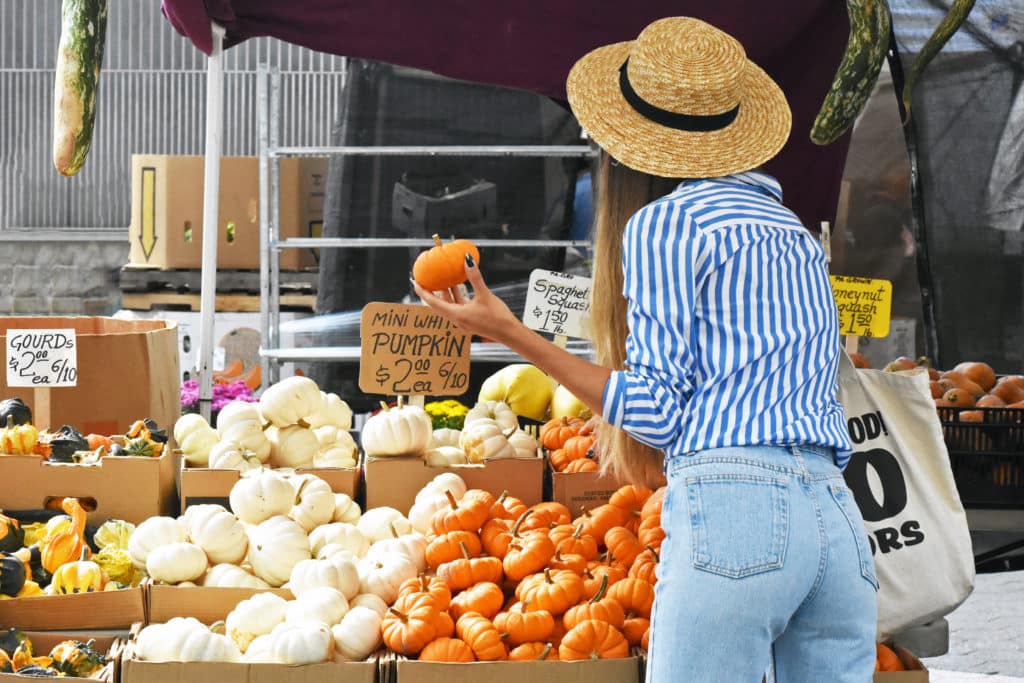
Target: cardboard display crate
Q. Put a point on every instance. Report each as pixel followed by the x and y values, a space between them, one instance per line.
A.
pixel 44 641
pixel 915 673
pixel 400 670
pixel 208 604
pixel 127 370
pixel 81 611
pixel 578 490
pixel 395 481
pixel 167 210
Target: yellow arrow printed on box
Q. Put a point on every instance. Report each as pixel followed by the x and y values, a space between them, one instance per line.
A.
pixel 147 237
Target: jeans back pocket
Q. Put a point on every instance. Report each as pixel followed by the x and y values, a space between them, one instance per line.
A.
pixel 739 523
pixel 844 499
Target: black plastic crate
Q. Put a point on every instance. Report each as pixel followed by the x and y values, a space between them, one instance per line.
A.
pixel 986 451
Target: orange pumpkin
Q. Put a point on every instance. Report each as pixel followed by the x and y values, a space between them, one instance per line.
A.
pixel 447 547
pixel 527 555
pixel 886 659
pixel 645 566
pixel 533 652
pixel 461 515
pixel 466 571
pixel 593 639
pixel 645 642
pixel 598 521
pixel 479 495
pixel 555 591
pixel 594 573
pixel 431 585
pixel 479 633
pixel 634 628
pixel 554 433
pixel 410 624
pixel 447 650
pixel 580 446
pixel 653 504
pixel 546 516
pixel 559 459
pixel 630 499
pixel 571 539
pixel 444 266
pixel 623 545
pixel 444 625
pixel 635 595
pixel 597 607
pixel 581 465
pixel 507 507
pixel 571 561
pixel 520 625
pixel 650 533
pixel 485 598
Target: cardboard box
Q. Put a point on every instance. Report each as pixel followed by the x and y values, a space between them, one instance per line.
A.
pixel 201 485
pixel 394 482
pixel 206 603
pixel 627 670
pixel 915 673
pixel 44 641
pixel 578 490
pixel 166 228
pixel 127 370
pixel 81 611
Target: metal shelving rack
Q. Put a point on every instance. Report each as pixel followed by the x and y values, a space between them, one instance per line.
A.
pixel 268 92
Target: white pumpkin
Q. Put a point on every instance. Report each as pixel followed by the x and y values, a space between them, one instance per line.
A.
pixel 217 531
pixel 358 635
pixel 523 444
pixel 446 481
pixel 231 455
pixel 162 642
pixel 300 643
pixel 384 573
pixel 338 572
pixel 259 651
pixel 332 550
pixel 412 545
pixel 254 617
pixel 207 646
pixel 370 601
pixel 333 411
pixel 240 421
pixel 499 411
pixel 445 456
pixel 383 522
pixel 319 604
pixel 195 437
pixel 337 457
pixel 404 430
pixel 422 511
pixel 232 576
pixel 345 509
pixel 176 562
pixel 258 496
pixel 485 440
pixel 314 501
pixel 153 533
pixel 275 547
pixel 348 536
pixel 444 437
pixel 291 401
pixel 292 446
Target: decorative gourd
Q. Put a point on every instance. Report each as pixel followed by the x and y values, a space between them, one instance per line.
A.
pixel 18 439
pixel 113 533
pixel 339 573
pixel 276 545
pixel 12 574
pixel 258 496
pixel 593 639
pixel 333 412
pixel 83 576
pixel 370 601
pixel 524 387
pixel 12 536
pixel 404 430
pixel 409 624
pixel 15 409
pixel 499 411
pixel 358 635
pixel 301 643
pixel 485 598
pixel 221 536
pixel 444 437
pixel 291 401
pixel 383 522
pixel 320 604
pixel 339 451
pixel 523 443
pixel 254 617
pixel 231 455
pixel 445 456
pixel 443 266
pixel 314 501
pixel 485 440
pixel 292 446
pixel 479 633
pixel 240 422
pixel 195 437
pixel 66 545
pixel 232 576
pixel 176 562
pixel 347 536
pixel 76 659
pixel 384 573
pixel 151 534
pixel 345 509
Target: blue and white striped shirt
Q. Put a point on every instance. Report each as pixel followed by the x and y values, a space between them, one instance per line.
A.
pixel 734 334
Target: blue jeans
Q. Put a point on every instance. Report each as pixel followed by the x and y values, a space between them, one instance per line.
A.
pixel 765 562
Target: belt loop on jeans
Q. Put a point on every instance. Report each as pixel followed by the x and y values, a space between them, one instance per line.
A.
pixel 801 466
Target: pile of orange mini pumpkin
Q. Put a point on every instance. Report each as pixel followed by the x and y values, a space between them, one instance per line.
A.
pixel 512 582
pixel 568 450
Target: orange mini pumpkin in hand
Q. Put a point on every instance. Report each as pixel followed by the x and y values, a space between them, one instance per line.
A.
pixel 444 266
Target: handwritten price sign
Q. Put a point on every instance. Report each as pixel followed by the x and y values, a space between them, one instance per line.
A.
pixel 42 358
pixel 865 305
pixel 411 350
pixel 558 303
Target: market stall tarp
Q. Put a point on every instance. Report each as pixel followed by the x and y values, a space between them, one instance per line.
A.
pixel 532 44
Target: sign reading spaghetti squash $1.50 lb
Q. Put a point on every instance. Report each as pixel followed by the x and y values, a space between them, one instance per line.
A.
pixel 865 305
pixel 411 350
pixel 42 358
pixel 558 303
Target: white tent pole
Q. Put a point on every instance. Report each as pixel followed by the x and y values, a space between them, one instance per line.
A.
pixel 211 207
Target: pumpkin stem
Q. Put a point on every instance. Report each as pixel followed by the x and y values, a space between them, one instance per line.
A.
pixel 657 557
pixel 451 499
pixel 384 406
pixel 544 655
pixel 547 575
pixel 502 497
pixel 302 423
pixel 85 553
pixel 218 627
pixel 519 522
pixel 437 239
pixel 398 401
pixel 398 614
pixel 578 532
pixel 10 422
pixel 465 550
pixel 394 531
pixel 424 584
pixel 600 591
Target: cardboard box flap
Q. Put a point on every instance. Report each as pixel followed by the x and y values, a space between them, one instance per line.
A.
pixel 85 325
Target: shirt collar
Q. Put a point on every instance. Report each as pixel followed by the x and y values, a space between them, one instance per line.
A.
pixel 762 182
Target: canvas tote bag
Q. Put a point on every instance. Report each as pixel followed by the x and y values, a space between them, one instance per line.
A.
pixel 902 481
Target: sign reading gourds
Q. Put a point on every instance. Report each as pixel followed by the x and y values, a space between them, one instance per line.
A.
pixel 42 358
pixel 411 350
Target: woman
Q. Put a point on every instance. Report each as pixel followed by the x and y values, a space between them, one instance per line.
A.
pixel 714 305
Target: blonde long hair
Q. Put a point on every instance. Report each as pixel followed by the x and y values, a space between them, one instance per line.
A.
pixel 619 192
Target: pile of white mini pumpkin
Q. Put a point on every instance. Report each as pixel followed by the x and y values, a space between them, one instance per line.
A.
pixel 343 568
pixel 491 431
pixel 295 424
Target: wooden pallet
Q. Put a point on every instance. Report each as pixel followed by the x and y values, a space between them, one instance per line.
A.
pixel 136 278
pixel 232 303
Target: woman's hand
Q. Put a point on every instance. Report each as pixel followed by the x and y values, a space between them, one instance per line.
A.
pixel 484 314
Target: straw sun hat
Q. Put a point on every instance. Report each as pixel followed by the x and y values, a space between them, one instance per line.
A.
pixel 681 101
